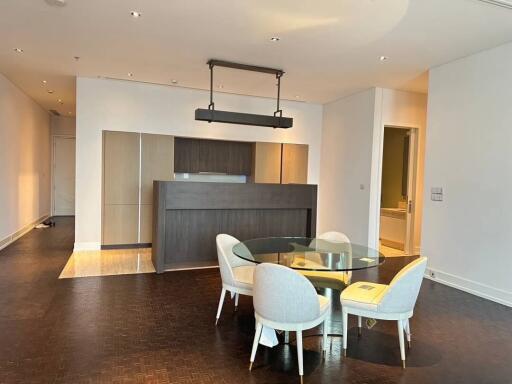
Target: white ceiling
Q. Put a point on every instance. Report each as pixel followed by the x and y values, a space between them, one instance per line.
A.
pixel 328 48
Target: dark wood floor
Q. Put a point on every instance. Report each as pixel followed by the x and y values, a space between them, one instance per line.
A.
pixel 160 329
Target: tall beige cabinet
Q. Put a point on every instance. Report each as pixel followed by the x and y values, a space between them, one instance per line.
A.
pixel 131 161
pixel 278 163
pixel 294 164
pixel 157 163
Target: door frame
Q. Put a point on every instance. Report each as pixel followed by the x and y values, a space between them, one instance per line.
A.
pixel 412 187
pixel 52 170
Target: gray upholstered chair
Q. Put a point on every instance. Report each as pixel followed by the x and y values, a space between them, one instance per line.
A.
pixel 328 279
pixel 386 302
pixel 236 273
pixel 285 300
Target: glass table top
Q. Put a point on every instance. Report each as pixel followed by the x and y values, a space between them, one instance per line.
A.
pixel 308 254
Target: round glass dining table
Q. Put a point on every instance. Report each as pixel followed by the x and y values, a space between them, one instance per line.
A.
pixel 309 254
pixel 327 264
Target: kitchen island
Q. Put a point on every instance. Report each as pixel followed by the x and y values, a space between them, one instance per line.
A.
pixel 187 216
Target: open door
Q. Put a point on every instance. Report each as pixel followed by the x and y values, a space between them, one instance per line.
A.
pixel 398 187
pixel 410 165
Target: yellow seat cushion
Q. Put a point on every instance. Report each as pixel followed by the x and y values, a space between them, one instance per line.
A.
pixel 363 295
pixel 319 278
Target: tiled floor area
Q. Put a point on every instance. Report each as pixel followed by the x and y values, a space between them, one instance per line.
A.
pixel 149 328
pixel 108 262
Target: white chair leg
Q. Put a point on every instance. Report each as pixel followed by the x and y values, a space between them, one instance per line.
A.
pixel 236 301
pixel 345 331
pixel 408 333
pixel 359 325
pixel 401 340
pixel 299 354
pixel 255 343
pixel 324 341
pixel 287 337
pixel 221 302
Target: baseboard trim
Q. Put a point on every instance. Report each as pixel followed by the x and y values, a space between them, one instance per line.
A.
pixel 87 246
pixel 126 246
pixel 23 231
pixel 475 288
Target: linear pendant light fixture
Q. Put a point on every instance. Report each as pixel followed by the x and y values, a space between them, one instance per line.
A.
pixel 212 115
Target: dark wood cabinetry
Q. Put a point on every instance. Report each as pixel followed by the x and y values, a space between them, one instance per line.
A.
pixel 186 155
pixel 215 156
pixel 188 217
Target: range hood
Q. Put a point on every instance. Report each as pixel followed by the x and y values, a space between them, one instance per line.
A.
pixel 211 115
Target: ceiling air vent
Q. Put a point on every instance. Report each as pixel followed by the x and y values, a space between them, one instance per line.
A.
pixel 54 112
pixel 499 3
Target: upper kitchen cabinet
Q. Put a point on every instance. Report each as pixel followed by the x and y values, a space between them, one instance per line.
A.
pixel 266 163
pixel 212 156
pixel 294 165
pixel 186 155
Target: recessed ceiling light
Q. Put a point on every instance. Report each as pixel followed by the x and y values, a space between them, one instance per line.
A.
pixel 44 81
pixel 76 58
pixel 130 74
pixel 18 50
pixel 383 58
pixel 60 101
pixel 135 14
pixel 173 81
pixel 221 86
pixel 297 96
pixel 275 38
pixel 69 113
pixel 50 91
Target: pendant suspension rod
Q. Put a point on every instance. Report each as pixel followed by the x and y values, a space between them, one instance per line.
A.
pixel 278 111
pixel 212 104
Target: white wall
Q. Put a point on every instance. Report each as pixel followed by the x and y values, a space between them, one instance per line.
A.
pixel 137 107
pixel 24 161
pixel 399 109
pixel 467 237
pixel 344 191
pixel 351 156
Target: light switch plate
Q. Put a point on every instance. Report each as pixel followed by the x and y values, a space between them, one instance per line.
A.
pixel 436 194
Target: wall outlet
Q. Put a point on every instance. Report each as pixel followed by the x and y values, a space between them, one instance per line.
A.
pixel 432 274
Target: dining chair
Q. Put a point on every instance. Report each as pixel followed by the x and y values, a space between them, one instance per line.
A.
pixel 385 302
pixel 328 279
pixel 285 300
pixel 236 273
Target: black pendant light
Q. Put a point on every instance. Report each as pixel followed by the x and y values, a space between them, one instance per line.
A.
pixel 212 115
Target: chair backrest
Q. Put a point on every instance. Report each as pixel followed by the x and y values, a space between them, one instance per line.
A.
pixel 334 237
pixel 228 260
pixel 403 290
pixel 283 295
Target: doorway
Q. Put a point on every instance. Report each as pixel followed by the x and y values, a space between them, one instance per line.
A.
pixel 398 185
pixel 63 170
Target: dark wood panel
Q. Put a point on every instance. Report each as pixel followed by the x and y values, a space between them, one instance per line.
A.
pixel 182 195
pixel 216 156
pixel 213 156
pixel 186 155
pixel 190 234
pixel 188 216
pixel 239 158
